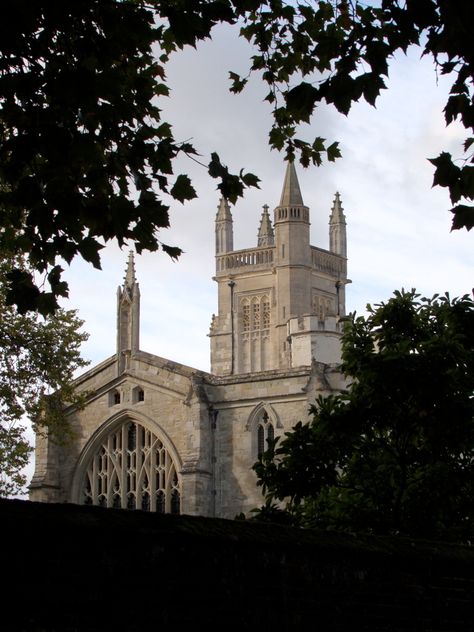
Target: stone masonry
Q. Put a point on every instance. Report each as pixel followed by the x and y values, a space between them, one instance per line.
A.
pixel 160 436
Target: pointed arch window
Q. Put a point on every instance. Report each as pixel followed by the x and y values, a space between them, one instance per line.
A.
pixel 138 395
pixel 132 470
pixel 114 397
pixel 265 433
pixel 254 333
pixel 323 306
pixel 265 313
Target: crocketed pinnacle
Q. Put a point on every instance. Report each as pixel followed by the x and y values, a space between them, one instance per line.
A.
pixel 337 214
pixel 266 236
pixel 291 193
pixel 223 211
pixel 130 280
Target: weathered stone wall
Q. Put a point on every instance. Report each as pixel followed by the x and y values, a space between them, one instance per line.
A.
pixel 75 569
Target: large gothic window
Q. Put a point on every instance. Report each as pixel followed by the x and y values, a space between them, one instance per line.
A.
pixel 132 470
pixel 254 333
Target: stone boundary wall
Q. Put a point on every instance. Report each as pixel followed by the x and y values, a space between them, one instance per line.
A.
pixel 76 569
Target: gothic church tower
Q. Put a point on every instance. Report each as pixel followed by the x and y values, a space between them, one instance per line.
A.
pixel 280 303
pixel 159 436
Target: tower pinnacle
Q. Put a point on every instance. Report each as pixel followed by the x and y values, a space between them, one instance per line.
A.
pixel 129 279
pixel 223 211
pixel 128 317
pixel 337 228
pixel 224 229
pixel 291 193
pixel 337 215
pixel 266 235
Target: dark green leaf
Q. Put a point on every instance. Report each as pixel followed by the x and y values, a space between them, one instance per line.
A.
pixel 300 101
pixel 463 217
pixel 182 189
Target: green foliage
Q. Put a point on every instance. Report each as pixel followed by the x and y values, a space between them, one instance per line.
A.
pixel 339 52
pixel 85 156
pixel 395 454
pixel 38 358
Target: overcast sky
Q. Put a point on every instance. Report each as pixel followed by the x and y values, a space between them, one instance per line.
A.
pixel 398 226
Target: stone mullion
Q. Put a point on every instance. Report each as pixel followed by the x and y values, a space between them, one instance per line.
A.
pixel 110 471
pixel 95 480
pixel 146 470
pixel 152 460
pixel 123 466
pixel 139 466
pixel 167 485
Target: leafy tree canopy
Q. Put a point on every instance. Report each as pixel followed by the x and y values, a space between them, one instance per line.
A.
pixel 86 157
pixel 38 359
pixel 395 454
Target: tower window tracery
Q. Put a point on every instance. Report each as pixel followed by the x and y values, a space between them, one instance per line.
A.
pixel 132 470
pixel 245 315
pixel 255 314
pixel 323 306
pixel 265 313
pixel 254 333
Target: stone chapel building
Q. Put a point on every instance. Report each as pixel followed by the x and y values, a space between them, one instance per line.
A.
pixel 160 436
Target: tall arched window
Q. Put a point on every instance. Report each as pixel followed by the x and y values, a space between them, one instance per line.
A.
pixel 254 330
pixel 265 433
pixel 132 470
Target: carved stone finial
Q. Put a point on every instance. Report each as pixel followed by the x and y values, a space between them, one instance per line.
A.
pixel 266 236
pixel 337 211
pixel 130 279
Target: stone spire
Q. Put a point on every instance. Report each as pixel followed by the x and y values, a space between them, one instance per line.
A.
pixel 224 228
pixel 130 280
pixel 128 317
pixel 291 193
pixel 266 236
pixel 337 228
pixel 223 211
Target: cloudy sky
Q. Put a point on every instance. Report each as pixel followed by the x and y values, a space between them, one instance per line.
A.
pixel 398 226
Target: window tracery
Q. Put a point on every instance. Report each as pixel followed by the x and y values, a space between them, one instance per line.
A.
pixel 323 306
pixel 265 313
pixel 255 314
pixel 245 315
pixel 254 333
pixel 132 469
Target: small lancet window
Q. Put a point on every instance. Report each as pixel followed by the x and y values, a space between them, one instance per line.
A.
pixel 138 395
pixel 114 398
pixel 265 434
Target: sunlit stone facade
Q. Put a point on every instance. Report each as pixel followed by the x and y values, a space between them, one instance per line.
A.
pixel 159 436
